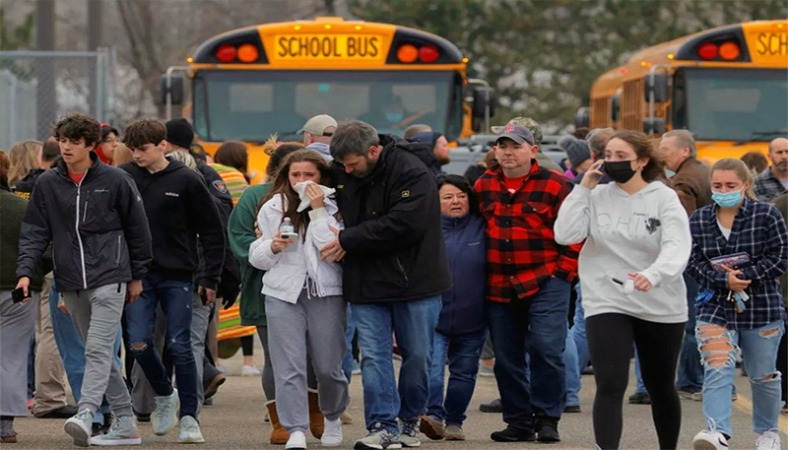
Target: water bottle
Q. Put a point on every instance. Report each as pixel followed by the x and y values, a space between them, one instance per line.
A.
pixel 287 226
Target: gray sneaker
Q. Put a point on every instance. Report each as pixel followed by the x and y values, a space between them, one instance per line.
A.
pixel 80 427
pixel 409 433
pixel 454 433
pixel 190 431
pixel 122 432
pixel 379 439
pixel 164 416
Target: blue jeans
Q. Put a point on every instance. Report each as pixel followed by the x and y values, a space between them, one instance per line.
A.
pixel 690 374
pixel 640 387
pixel 759 348
pixel 538 324
pixel 414 323
pixel 176 302
pixel 72 350
pixel 578 334
pixel 572 372
pixel 348 361
pixel 463 351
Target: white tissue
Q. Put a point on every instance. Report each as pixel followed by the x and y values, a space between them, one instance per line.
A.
pixel 300 188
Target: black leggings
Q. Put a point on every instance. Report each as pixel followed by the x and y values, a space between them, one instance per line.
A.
pixel 610 338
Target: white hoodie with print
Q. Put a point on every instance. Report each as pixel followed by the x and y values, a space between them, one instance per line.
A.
pixel 646 233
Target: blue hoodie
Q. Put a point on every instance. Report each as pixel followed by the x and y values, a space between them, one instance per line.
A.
pixel 466 252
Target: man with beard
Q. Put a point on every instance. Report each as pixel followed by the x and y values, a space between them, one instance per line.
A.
pixel 435 153
pixel 394 273
pixel 773 182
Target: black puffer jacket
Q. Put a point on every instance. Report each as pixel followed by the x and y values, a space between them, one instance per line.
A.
pixel 98 228
pixel 392 235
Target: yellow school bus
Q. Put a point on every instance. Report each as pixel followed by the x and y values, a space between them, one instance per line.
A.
pixel 250 83
pixel 727 85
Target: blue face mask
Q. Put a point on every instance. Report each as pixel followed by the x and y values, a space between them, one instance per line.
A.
pixel 395 117
pixel 727 199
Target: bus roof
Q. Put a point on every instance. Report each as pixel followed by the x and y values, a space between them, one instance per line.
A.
pixel 762 43
pixel 329 42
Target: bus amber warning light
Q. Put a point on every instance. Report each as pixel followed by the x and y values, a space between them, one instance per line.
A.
pixel 338 46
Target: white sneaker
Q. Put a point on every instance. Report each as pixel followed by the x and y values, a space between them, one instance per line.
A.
pixel 80 428
pixel 165 415
pixel 332 433
pixel 250 371
pixel 190 431
pixel 769 440
pixel 297 441
pixel 122 432
pixel 710 440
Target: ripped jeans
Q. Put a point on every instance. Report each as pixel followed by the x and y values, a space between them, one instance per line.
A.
pixel 717 346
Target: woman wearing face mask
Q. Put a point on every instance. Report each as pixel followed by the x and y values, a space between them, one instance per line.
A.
pixel 637 245
pixel 303 303
pixel 461 329
pixel 739 306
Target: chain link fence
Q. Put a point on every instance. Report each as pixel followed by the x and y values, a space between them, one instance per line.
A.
pixel 38 87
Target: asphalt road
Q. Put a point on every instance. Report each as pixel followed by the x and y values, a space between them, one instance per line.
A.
pixel 235 421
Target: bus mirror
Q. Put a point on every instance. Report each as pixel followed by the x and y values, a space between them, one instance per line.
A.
pixel 582 118
pixel 175 89
pixel 656 125
pixel 483 98
pixel 657 83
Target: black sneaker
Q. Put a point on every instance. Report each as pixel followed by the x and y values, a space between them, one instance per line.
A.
pixel 572 409
pixel 97 430
pixel 492 407
pixel 512 434
pixel 640 398
pixel 547 430
pixel 143 418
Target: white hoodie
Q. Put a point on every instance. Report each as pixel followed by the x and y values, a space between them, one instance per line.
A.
pixel 287 270
pixel 646 233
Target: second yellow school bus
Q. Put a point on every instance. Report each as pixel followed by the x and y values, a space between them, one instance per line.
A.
pixel 250 83
pixel 727 85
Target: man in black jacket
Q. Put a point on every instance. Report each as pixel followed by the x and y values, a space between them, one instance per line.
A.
pixel 179 209
pixel 94 217
pixel 395 272
pixel 180 138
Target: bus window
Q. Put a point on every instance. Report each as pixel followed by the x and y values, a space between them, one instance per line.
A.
pixel 729 104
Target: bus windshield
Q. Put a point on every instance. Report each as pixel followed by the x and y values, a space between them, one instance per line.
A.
pixel 252 105
pixel 731 104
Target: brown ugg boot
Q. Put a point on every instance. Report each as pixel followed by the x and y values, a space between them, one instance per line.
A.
pixel 279 435
pixel 315 416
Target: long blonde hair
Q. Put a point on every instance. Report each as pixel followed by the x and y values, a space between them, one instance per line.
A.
pixel 25 156
pixel 742 172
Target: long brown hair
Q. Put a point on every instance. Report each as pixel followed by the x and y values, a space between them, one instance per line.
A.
pixel 644 148
pixel 743 173
pixel 282 185
pixel 234 154
pixel 25 157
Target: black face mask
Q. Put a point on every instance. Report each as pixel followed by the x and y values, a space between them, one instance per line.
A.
pixel 619 171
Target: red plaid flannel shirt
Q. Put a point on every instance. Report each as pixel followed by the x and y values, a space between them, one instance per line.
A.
pixel 521 248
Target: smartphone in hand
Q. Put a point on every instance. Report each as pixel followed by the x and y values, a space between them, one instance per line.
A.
pixel 18 295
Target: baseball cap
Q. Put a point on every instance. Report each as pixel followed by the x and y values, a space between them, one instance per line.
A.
pixel 318 124
pixel 517 133
pixel 527 122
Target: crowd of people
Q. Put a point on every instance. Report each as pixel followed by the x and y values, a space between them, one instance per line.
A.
pixel 358 239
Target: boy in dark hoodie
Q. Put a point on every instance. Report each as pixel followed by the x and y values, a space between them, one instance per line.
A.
pixel 180 211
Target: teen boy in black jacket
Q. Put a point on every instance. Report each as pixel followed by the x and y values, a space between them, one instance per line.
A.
pixel 180 211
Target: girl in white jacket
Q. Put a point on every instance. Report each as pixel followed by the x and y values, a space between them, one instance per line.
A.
pixel 637 243
pixel 303 298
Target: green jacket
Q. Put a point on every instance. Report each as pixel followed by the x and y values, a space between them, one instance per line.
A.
pixel 781 203
pixel 240 230
pixel 12 211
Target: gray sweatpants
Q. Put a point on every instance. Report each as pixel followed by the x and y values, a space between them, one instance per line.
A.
pixel 142 392
pixel 17 324
pixel 96 314
pixel 316 323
